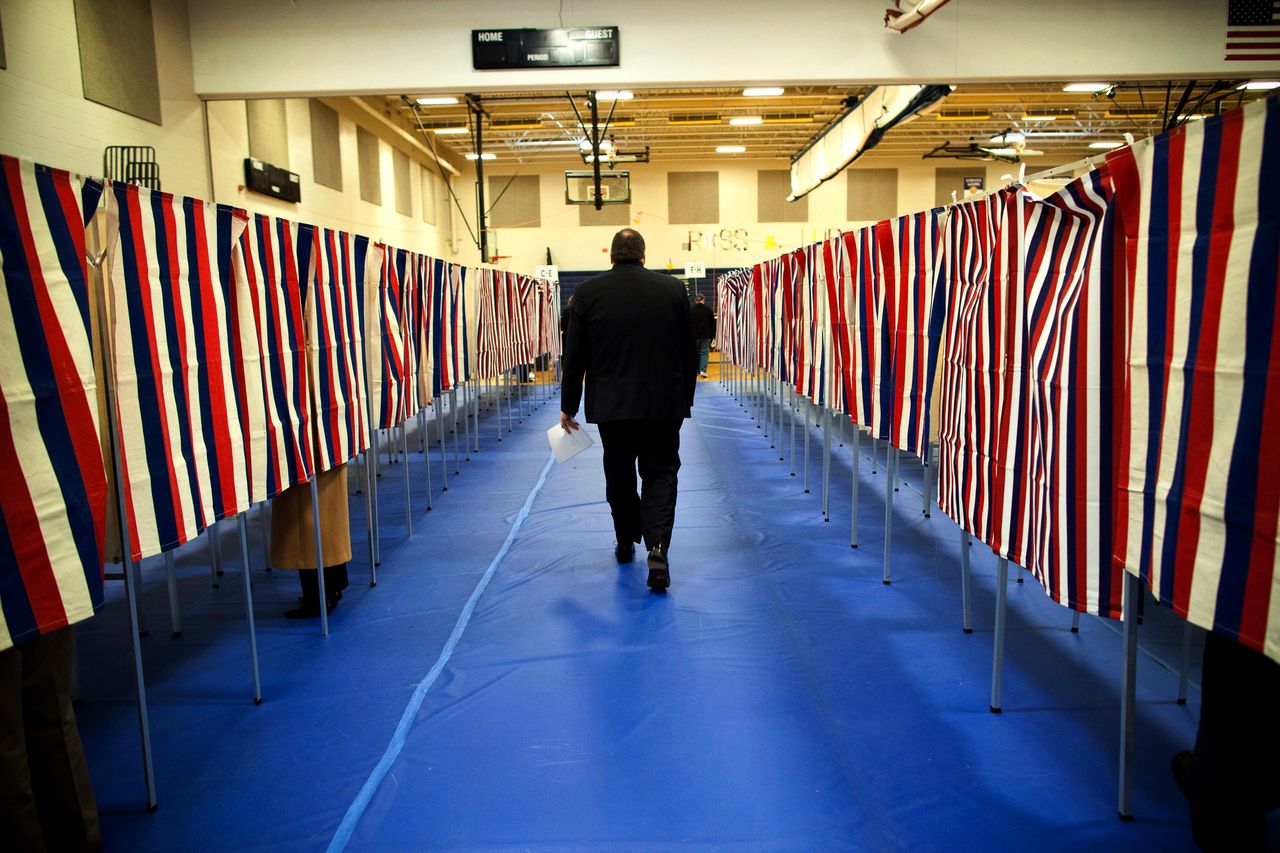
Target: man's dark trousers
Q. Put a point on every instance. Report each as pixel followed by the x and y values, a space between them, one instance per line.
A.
pixel 653 443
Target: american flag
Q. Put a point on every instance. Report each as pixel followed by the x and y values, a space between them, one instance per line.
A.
pixel 1253 31
pixel 53 504
pixel 181 442
pixel 332 265
pixel 276 413
pixel 1200 491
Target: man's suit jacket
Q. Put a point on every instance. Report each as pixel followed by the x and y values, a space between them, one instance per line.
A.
pixel 631 335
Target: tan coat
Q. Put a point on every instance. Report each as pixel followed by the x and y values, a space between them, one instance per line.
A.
pixel 293 539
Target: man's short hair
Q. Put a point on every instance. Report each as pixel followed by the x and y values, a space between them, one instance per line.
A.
pixel 627 246
pixel 699 298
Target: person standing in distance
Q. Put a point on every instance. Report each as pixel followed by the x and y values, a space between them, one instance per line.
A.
pixel 704 329
pixel 630 334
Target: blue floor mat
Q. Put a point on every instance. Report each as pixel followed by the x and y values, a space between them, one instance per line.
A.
pixel 779 697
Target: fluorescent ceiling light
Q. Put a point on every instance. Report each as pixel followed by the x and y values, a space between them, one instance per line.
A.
pixel 1009 138
pixel 1260 85
pixel 485 156
pixel 1134 114
pixel 1193 116
pixel 730 149
pixel 1013 152
pixel 739 121
pixel 541 143
pixel 1109 143
pixel 763 92
pixel 1056 134
pixel 614 96
pixel 1042 115
pixel 449 131
pixel 1086 87
pixel 441 101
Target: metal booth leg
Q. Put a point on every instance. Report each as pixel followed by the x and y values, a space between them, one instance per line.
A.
pixel 997 658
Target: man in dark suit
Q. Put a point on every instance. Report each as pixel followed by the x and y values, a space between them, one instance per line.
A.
pixel 631 335
pixel 704 330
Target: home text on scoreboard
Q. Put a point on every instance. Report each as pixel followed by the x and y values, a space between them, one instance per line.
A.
pixel 530 48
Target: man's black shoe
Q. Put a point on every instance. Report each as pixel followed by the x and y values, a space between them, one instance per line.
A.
pixel 625 552
pixel 1182 764
pixel 659 571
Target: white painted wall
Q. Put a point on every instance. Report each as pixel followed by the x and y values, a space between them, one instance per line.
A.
pixel 345 209
pixel 44 117
pixel 282 47
pixel 574 247
pixel 43 113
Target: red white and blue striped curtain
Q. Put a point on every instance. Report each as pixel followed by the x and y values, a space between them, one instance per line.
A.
pixel 456 335
pixel 863 301
pixel 174 341
pixel 276 410
pixel 981 422
pixel 1075 352
pixel 386 347
pixel 834 272
pixel 913 322
pixel 53 505
pixel 431 273
pixel 333 272
pixel 523 318
pixel 409 272
pixel 1200 490
pixel 488 336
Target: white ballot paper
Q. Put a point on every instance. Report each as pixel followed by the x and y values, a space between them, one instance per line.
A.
pixel 566 445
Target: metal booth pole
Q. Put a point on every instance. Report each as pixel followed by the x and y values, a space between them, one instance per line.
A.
pixel 964 582
pixel 248 608
pixel 780 434
pixel 997 657
pixel 370 522
pixel 315 519
pixel 497 401
pixel 372 456
pixel 889 489
pixel 853 518
pixel 926 476
pixel 826 464
pixel 175 616
pixel 215 553
pixel 512 389
pixel 466 422
pixel 1075 629
pixel 126 556
pixel 1128 694
pixel 408 501
pixel 1184 664
pixel 426 456
pixel 792 408
pixel 444 461
pixel 807 407
pixel 453 428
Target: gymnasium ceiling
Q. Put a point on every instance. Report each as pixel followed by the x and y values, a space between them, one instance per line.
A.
pixel 688 124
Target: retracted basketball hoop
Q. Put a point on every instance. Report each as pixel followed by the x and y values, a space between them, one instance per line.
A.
pixel 615 187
